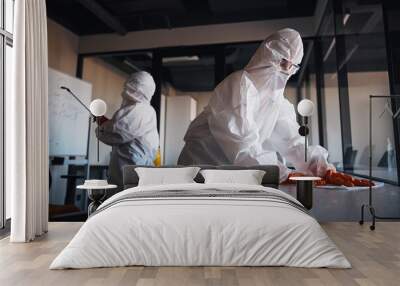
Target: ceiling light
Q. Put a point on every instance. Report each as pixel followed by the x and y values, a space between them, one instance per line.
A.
pixel 180 59
pixel 346 18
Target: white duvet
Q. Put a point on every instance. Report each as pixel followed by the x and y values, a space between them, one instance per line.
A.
pixel 192 231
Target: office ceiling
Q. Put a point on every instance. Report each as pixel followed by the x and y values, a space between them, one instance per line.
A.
pixel 192 68
pixel 86 17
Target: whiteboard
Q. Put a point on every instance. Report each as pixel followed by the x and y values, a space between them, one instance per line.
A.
pixel 68 119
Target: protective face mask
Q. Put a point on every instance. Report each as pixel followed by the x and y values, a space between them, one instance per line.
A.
pixel 274 83
pixel 270 80
pixel 281 78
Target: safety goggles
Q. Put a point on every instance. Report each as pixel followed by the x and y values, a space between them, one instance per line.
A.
pixel 293 68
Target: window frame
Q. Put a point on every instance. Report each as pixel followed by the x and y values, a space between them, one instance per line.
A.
pixel 6 39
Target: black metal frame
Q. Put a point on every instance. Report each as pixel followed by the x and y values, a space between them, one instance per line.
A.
pixel 370 206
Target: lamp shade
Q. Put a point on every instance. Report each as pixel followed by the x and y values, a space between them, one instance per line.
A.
pixel 98 107
pixel 305 107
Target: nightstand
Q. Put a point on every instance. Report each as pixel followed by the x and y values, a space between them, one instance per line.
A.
pixel 96 194
pixel 304 190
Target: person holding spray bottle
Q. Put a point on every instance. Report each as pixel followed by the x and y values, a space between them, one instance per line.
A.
pixel 132 131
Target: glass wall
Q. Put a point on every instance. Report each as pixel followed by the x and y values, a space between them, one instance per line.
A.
pixel 331 105
pixel 320 84
pixel 367 72
pixel 350 64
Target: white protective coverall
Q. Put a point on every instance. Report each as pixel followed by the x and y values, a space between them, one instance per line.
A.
pixel 132 131
pixel 248 120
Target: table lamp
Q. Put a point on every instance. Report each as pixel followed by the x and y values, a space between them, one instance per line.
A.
pixel 98 108
pixel 305 109
pixel 305 184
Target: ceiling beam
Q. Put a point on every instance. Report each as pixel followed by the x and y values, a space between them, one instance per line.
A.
pixel 205 35
pixel 106 17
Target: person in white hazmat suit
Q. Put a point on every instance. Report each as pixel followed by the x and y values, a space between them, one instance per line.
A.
pixel 248 120
pixel 132 131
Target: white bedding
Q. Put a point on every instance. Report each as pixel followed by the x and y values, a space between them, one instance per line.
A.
pixel 183 231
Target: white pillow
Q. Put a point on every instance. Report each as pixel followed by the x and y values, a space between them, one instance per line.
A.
pixel 165 176
pixel 248 177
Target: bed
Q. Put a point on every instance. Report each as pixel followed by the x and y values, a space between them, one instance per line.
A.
pixel 198 224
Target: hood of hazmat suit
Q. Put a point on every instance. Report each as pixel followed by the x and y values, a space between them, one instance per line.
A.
pixel 248 120
pixel 132 131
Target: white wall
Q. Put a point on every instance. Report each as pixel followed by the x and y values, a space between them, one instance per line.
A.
pixel 361 85
pixel 202 98
pixel 63 48
pixel 179 112
pixel 178 109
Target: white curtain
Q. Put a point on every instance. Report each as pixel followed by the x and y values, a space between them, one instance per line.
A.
pixel 26 127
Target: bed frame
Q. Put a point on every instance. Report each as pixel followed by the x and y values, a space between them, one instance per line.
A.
pixel 270 179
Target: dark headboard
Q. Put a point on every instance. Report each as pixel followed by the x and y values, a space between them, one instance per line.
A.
pixel 270 179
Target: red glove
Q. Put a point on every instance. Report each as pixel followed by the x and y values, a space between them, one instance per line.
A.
pixel 321 182
pixel 341 179
pixel 363 183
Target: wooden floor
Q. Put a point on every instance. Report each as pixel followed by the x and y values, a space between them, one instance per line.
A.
pixel 375 257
